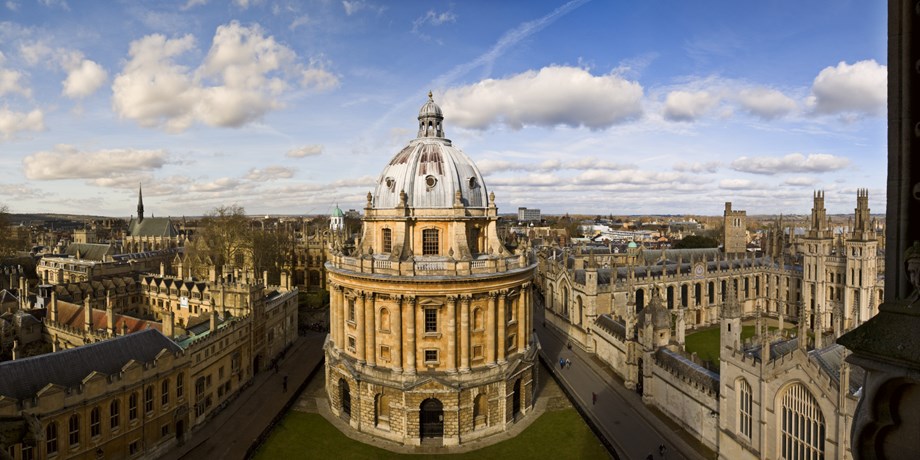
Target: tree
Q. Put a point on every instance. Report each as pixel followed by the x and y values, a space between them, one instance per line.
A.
pixel 6 235
pixel 225 236
pixel 270 251
pixel 696 241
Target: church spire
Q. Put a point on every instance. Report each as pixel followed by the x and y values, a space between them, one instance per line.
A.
pixel 140 203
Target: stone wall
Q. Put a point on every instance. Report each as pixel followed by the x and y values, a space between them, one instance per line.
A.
pixel 693 407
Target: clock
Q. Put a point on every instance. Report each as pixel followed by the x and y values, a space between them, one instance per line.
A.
pixel 698 270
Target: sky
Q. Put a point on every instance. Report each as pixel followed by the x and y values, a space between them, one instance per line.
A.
pixel 586 107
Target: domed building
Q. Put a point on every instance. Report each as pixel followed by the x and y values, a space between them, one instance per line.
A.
pixel 430 316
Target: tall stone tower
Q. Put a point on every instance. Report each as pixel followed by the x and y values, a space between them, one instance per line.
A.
pixel 861 265
pixel 818 243
pixel 730 322
pixel 431 315
pixel 734 230
pixel 140 204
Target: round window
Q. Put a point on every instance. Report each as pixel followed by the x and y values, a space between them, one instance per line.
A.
pixel 431 181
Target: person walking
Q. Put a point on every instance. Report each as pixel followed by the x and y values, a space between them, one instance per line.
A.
pixel 593 398
pixel 568 362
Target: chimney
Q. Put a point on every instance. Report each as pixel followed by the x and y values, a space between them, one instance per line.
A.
pixel 265 278
pixel 109 313
pixel 15 350
pixel 53 308
pixel 169 323
pixel 213 321
pixel 124 327
pixel 87 314
pixel 162 270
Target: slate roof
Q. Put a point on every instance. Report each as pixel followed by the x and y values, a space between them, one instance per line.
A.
pixel 73 315
pixel 831 358
pixel 152 226
pixel 90 251
pixel 688 369
pixel 611 326
pixel 23 378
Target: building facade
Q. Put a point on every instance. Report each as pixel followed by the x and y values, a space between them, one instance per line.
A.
pixel 430 315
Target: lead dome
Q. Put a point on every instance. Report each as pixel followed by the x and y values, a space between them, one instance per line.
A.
pixel 430 170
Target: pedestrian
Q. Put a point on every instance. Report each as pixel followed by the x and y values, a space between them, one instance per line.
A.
pixel 593 398
pixel 568 362
pixel 662 449
pixel 284 382
pixel 561 363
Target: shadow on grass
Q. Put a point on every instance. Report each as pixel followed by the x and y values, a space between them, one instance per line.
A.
pixel 558 434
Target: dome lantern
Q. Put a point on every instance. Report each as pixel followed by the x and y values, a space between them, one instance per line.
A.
pixel 430 119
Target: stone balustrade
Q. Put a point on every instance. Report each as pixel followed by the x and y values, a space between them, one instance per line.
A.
pixel 425 266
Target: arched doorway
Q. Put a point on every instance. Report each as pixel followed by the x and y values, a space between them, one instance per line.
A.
pixel 345 396
pixel 431 419
pixel 516 399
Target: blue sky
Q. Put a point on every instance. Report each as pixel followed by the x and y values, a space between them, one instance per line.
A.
pixel 591 107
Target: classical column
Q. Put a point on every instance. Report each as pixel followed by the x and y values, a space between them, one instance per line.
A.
pixel 341 315
pixel 465 333
pixel 370 330
pixel 396 329
pixel 452 334
pixel 359 327
pixel 502 323
pixel 333 319
pixel 490 328
pixel 522 319
pixel 410 333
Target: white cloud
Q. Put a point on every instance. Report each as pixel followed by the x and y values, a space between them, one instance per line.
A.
pixel 491 166
pixel 353 6
pixel 269 173
pixel 305 151
pixel 193 3
pixel 552 96
pixel 217 185
pixel 800 181
pixel 10 83
pixel 12 122
pixel 860 88
pixel 66 162
pixel 687 105
pixel 55 4
pixel 242 78
pixel 792 163
pixel 299 21
pixel 12 6
pixel 766 103
pixel 697 167
pixel 84 79
pixel 432 19
pixel 736 184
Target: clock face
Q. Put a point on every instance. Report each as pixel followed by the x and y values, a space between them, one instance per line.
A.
pixel 698 270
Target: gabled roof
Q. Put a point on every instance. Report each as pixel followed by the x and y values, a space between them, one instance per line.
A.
pixel 90 251
pixel 73 315
pixel 152 226
pixel 23 378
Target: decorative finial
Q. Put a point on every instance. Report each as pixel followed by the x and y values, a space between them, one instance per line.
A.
pixel 430 96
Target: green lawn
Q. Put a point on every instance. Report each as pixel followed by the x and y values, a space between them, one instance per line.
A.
pixel 706 343
pixel 560 434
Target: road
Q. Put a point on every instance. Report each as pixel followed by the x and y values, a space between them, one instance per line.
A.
pixel 619 414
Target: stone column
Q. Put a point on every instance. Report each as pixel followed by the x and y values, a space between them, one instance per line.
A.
pixel 360 331
pixel 521 320
pixel 452 334
pixel 410 334
pixel 333 321
pixel 396 329
pixel 341 316
pixel 465 334
pixel 370 330
pixel 502 323
pixel 490 328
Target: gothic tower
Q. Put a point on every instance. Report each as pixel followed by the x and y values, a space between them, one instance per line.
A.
pixel 140 204
pixel 861 265
pixel 734 229
pixel 818 244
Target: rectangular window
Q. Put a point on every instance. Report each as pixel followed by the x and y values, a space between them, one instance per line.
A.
pixel 430 245
pixel 133 448
pixel 74 426
pixel 351 343
pixel 132 407
pixel 28 453
pixel 179 386
pixel 164 430
pixel 431 320
pixel 477 351
pixel 431 356
pixel 351 310
pixel 148 399
pixel 384 352
pixel 114 414
pixel 51 444
pixel 387 240
pixel 511 343
pixel 95 422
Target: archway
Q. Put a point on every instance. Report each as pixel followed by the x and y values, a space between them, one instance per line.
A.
pixel 516 399
pixel 345 396
pixel 431 419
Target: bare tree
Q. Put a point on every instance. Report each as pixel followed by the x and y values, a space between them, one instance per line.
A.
pixel 225 236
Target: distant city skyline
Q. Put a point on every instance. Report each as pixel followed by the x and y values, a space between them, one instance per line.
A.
pixel 585 107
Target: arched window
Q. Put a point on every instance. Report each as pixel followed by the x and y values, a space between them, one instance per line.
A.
pixel 132 406
pixel 802 425
pixel 51 441
pixel 114 413
pixel 745 404
pixel 480 411
pixel 382 411
pixel 477 319
pixel 580 309
pixel 565 302
pixel 384 319
pixel 148 398
pixel 430 246
pixel 95 422
pixel 179 388
pixel 164 392
pixel 386 239
pixel 73 426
